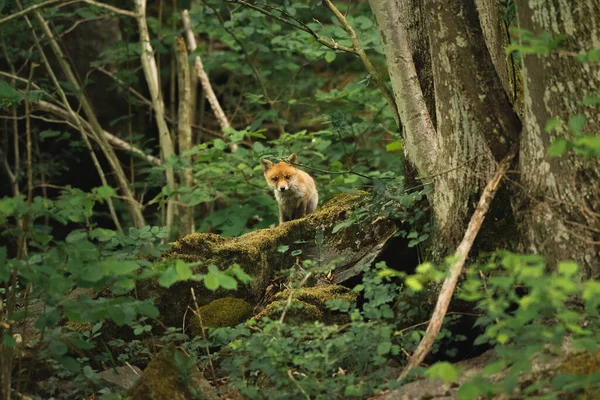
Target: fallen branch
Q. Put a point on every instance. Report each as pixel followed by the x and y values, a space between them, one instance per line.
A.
pixel 460 256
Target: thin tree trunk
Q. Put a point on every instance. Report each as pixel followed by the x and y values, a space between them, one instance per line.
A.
pixel 151 74
pixel 420 137
pixel 186 213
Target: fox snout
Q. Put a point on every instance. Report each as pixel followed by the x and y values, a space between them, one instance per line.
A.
pixel 283 188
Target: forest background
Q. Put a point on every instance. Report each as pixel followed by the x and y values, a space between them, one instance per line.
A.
pixel 127 126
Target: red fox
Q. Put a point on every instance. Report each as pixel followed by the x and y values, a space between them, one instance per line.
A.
pixel 295 190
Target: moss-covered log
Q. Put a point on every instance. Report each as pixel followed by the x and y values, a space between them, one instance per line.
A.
pixel 258 253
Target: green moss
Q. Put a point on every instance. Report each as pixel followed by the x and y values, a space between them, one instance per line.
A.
pixel 225 312
pixel 583 364
pixel 164 379
pixel 256 253
pixel 309 304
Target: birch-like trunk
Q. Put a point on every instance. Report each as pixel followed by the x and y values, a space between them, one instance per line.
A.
pixel 151 74
pixel 559 212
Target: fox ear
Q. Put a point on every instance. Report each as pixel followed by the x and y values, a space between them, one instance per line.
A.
pixel 266 164
pixel 292 158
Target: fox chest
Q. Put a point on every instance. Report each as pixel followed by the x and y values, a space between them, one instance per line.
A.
pixel 290 199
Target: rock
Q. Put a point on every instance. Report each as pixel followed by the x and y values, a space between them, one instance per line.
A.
pixel 170 376
pixel 225 312
pixel 257 254
pixel 123 377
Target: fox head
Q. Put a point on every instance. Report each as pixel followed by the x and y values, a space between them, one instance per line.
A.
pixel 281 176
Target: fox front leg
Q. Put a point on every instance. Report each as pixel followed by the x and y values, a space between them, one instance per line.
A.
pixel 281 217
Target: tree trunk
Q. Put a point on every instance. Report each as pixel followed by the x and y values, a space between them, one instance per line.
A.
pixel 186 213
pixel 559 209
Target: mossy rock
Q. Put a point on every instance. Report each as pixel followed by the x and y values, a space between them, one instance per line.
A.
pixel 163 379
pixel 256 253
pixel 225 312
pixel 310 304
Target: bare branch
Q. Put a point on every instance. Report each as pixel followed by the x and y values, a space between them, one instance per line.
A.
pixel 112 139
pixel 47 3
pixel 296 24
pixel 116 10
pixel 28 10
pixel 365 60
pixel 460 257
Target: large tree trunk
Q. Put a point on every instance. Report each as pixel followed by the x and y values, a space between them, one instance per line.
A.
pixel 476 125
pixel 557 209
pixel 561 200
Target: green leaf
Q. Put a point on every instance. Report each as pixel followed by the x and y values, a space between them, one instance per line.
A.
pixel 468 391
pixel 567 268
pixel 57 348
pixel 9 96
pixel 8 341
pixel 384 348
pixel 49 134
pixel 576 124
pixel 168 277
pixel 552 124
pixel 394 146
pixel 105 192
pixel 282 248
pixel 558 147
pixel 413 283
pixel 76 236
pixel 296 253
pixel 211 281
pixel 330 56
pixel 183 270
pixel 443 370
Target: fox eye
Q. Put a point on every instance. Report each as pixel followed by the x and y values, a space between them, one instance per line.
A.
pixel 287 177
pixel 275 179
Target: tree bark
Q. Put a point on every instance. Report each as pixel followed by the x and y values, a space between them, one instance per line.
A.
pixel 560 204
pixel 495 39
pixel 151 74
pixel 420 139
pixel 186 213
pixel 475 120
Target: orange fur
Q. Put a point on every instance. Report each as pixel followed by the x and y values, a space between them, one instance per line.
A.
pixel 294 189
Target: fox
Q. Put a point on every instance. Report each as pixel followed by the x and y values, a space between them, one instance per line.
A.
pixel 295 190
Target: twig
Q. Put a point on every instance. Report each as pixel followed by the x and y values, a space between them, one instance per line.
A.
pixel 28 10
pixel 199 316
pixel 460 257
pixel 50 2
pixel 291 376
pixel 365 60
pixel 116 10
pixel 112 139
pixel 296 24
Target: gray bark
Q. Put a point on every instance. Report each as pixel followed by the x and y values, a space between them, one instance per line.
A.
pixel 495 39
pixel 420 142
pixel 561 196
